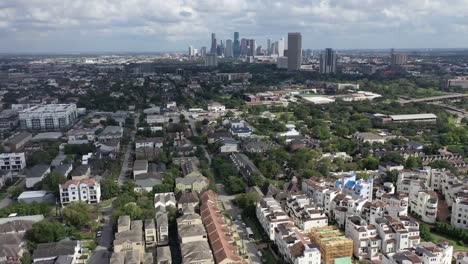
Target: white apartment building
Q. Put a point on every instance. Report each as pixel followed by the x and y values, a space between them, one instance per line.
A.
pixel 12 161
pixel 294 246
pixel 149 143
pixel 216 108
pixel 48 117
pixel 424 253
pixel 270 215
pixel 357 188
pixel 459 216
pixel 422 200
pixel 366 241
pixel 86 190
pixel 304 212
pixel 424 204
pixel 397 234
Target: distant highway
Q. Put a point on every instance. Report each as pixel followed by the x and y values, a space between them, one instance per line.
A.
pixel 433 98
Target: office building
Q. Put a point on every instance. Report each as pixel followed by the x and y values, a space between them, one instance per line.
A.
pixel 252 47
pixel 398 59
pixel 220 49
pixel 282 63
pixel 202 52
pixel 244 47
pixel 328 61
pixel 190 51
pixel 294 51
pixel 236 45
pixel 211 60
pixel 48 117
pixel 268 48
pixel 228 52
pixel 280 46
pixel 213 43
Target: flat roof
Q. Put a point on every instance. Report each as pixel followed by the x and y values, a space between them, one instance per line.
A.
pixel 413 117
pixel 49 108
pixel 48 135
pixel 32 194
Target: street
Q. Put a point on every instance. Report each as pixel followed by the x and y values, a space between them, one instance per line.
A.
pixel 233 211
pixel 128 153
pixel 102 252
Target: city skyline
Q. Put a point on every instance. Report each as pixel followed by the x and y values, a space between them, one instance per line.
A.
pixel 152 26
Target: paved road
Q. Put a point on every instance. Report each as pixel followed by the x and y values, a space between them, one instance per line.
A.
pixel 234 211
pixel 128 152
pixel 102 252
pixel 5 202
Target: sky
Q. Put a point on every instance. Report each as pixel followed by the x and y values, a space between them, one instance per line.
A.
pixel 172 25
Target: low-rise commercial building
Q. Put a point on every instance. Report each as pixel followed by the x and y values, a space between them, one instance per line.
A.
pixel 48 117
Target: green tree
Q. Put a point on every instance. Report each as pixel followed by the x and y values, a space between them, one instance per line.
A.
pixel 109 188
pixel 47 231
pixel 26 258
pixel 412 162
pixel 370 163
pixel 425 232
pixel 15 191
pixel 269 168
pixel 78 215
pixel 235 185
pixel 51 183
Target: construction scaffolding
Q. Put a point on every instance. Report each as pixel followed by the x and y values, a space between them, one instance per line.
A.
pixel 334 246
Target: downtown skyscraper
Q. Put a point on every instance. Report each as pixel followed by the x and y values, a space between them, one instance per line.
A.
pixel 214 45
pixel 236 46
pixel 228 51
pixel 294 51
pixel 328 61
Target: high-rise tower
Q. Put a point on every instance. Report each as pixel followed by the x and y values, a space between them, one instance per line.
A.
pixel 294 51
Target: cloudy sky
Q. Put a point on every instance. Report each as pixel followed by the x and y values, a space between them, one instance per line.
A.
pixel 172 25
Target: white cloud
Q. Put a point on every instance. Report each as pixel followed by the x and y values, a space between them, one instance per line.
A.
pixel 184 22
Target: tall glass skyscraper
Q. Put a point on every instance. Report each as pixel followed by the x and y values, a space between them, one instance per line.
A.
pixel 236 45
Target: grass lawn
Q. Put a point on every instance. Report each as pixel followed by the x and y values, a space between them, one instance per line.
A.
pixel 436 237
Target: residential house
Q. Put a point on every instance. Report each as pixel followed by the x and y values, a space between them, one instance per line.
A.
pixel 187 198
pixel 163 255
pixel 163 200
pixel 140 167
pixel 294 246
pixel 424 253
pixel 129 238
pixel 150 232
pixel 270 215
pixel 66 251
pixel 162 228
pixel 220 240
pixel 81 172
pixel 192 183
pixel 17 141
pixel 111 132
pixel 36 174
